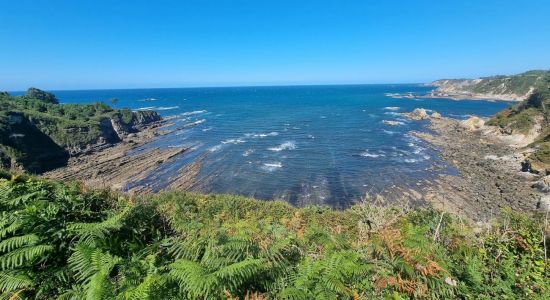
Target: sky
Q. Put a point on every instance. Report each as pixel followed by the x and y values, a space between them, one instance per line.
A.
pixel 68 44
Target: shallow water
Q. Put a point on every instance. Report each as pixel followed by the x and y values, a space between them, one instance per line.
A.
pixel 303 144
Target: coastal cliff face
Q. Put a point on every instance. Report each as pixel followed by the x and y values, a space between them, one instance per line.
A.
pixel 509 88
pixel 38 135
pixel 530 121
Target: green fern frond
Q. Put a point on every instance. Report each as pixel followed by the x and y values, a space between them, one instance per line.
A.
pixel 13 280
pixel 13 227
pixel 88 232
pixel 76 292
pixel 18 241
pixel 23 256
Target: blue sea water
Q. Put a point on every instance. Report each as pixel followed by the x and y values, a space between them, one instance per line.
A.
pixel 302 144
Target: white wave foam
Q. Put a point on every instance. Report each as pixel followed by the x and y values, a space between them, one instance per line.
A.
pixel 207 129
pixel 372 155
pixel 392 113
pixel 411 160
pixel 216 148
pixel 167 107
pixel 389 132
pixel 270 167
pixel 393 122
pixel 196 112
pixel 146 108
pixel 392 108
pixel 248 152
pixel 195 123
pixel 261 135
pixel 289 145
pixel 233 141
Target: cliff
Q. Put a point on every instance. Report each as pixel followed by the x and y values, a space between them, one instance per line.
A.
pixel 509 88
pixel 38 134
pixel 530 119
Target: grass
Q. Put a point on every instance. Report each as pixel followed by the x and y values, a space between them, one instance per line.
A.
pixel 63 241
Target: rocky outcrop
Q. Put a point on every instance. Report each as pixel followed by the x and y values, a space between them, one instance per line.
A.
pixel 417 114
pixel 473 123
pixel 139 120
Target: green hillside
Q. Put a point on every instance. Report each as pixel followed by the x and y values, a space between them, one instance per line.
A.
pixel 61 241
pixel 510 87
pixel 517 84
pixel 38 134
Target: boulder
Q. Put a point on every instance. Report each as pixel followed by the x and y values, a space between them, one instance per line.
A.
pixel 435 115
pixel 472 123
pixel 418 114
pixel 544 203
pixel 543 185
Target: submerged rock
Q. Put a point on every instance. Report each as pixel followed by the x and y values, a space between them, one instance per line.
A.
pixel 392 123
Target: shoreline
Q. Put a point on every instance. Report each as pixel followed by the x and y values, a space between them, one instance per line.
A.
pixel 489 173
pixel 114 167
pixel 489 170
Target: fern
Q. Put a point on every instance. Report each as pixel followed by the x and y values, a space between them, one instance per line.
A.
pixel 21 256
pixel 18 241
pixel 13 280
pixel 89 232
pixel 92 267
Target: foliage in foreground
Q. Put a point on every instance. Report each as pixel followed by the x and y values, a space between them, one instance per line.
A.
pixel 60 241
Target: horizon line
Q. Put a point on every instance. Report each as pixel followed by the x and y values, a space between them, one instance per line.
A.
pixel 220 86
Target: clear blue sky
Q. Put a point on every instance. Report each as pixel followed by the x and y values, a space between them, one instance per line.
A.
pixel 80 44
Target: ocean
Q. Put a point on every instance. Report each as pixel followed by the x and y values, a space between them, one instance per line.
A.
pixel 302 144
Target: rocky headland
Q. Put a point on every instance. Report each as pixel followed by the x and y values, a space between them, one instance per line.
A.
pixel 506 88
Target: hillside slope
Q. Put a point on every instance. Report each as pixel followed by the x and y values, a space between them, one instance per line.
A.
pixel 38 134
pixel 511 88
pixel 531 117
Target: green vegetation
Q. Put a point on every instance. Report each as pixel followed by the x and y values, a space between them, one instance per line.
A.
pixel 519 84
pixel 41 95
pixel 35 126
pixel 61 241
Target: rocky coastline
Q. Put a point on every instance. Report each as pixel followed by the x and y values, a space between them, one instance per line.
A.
pixel 489 175
pixel 121 167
